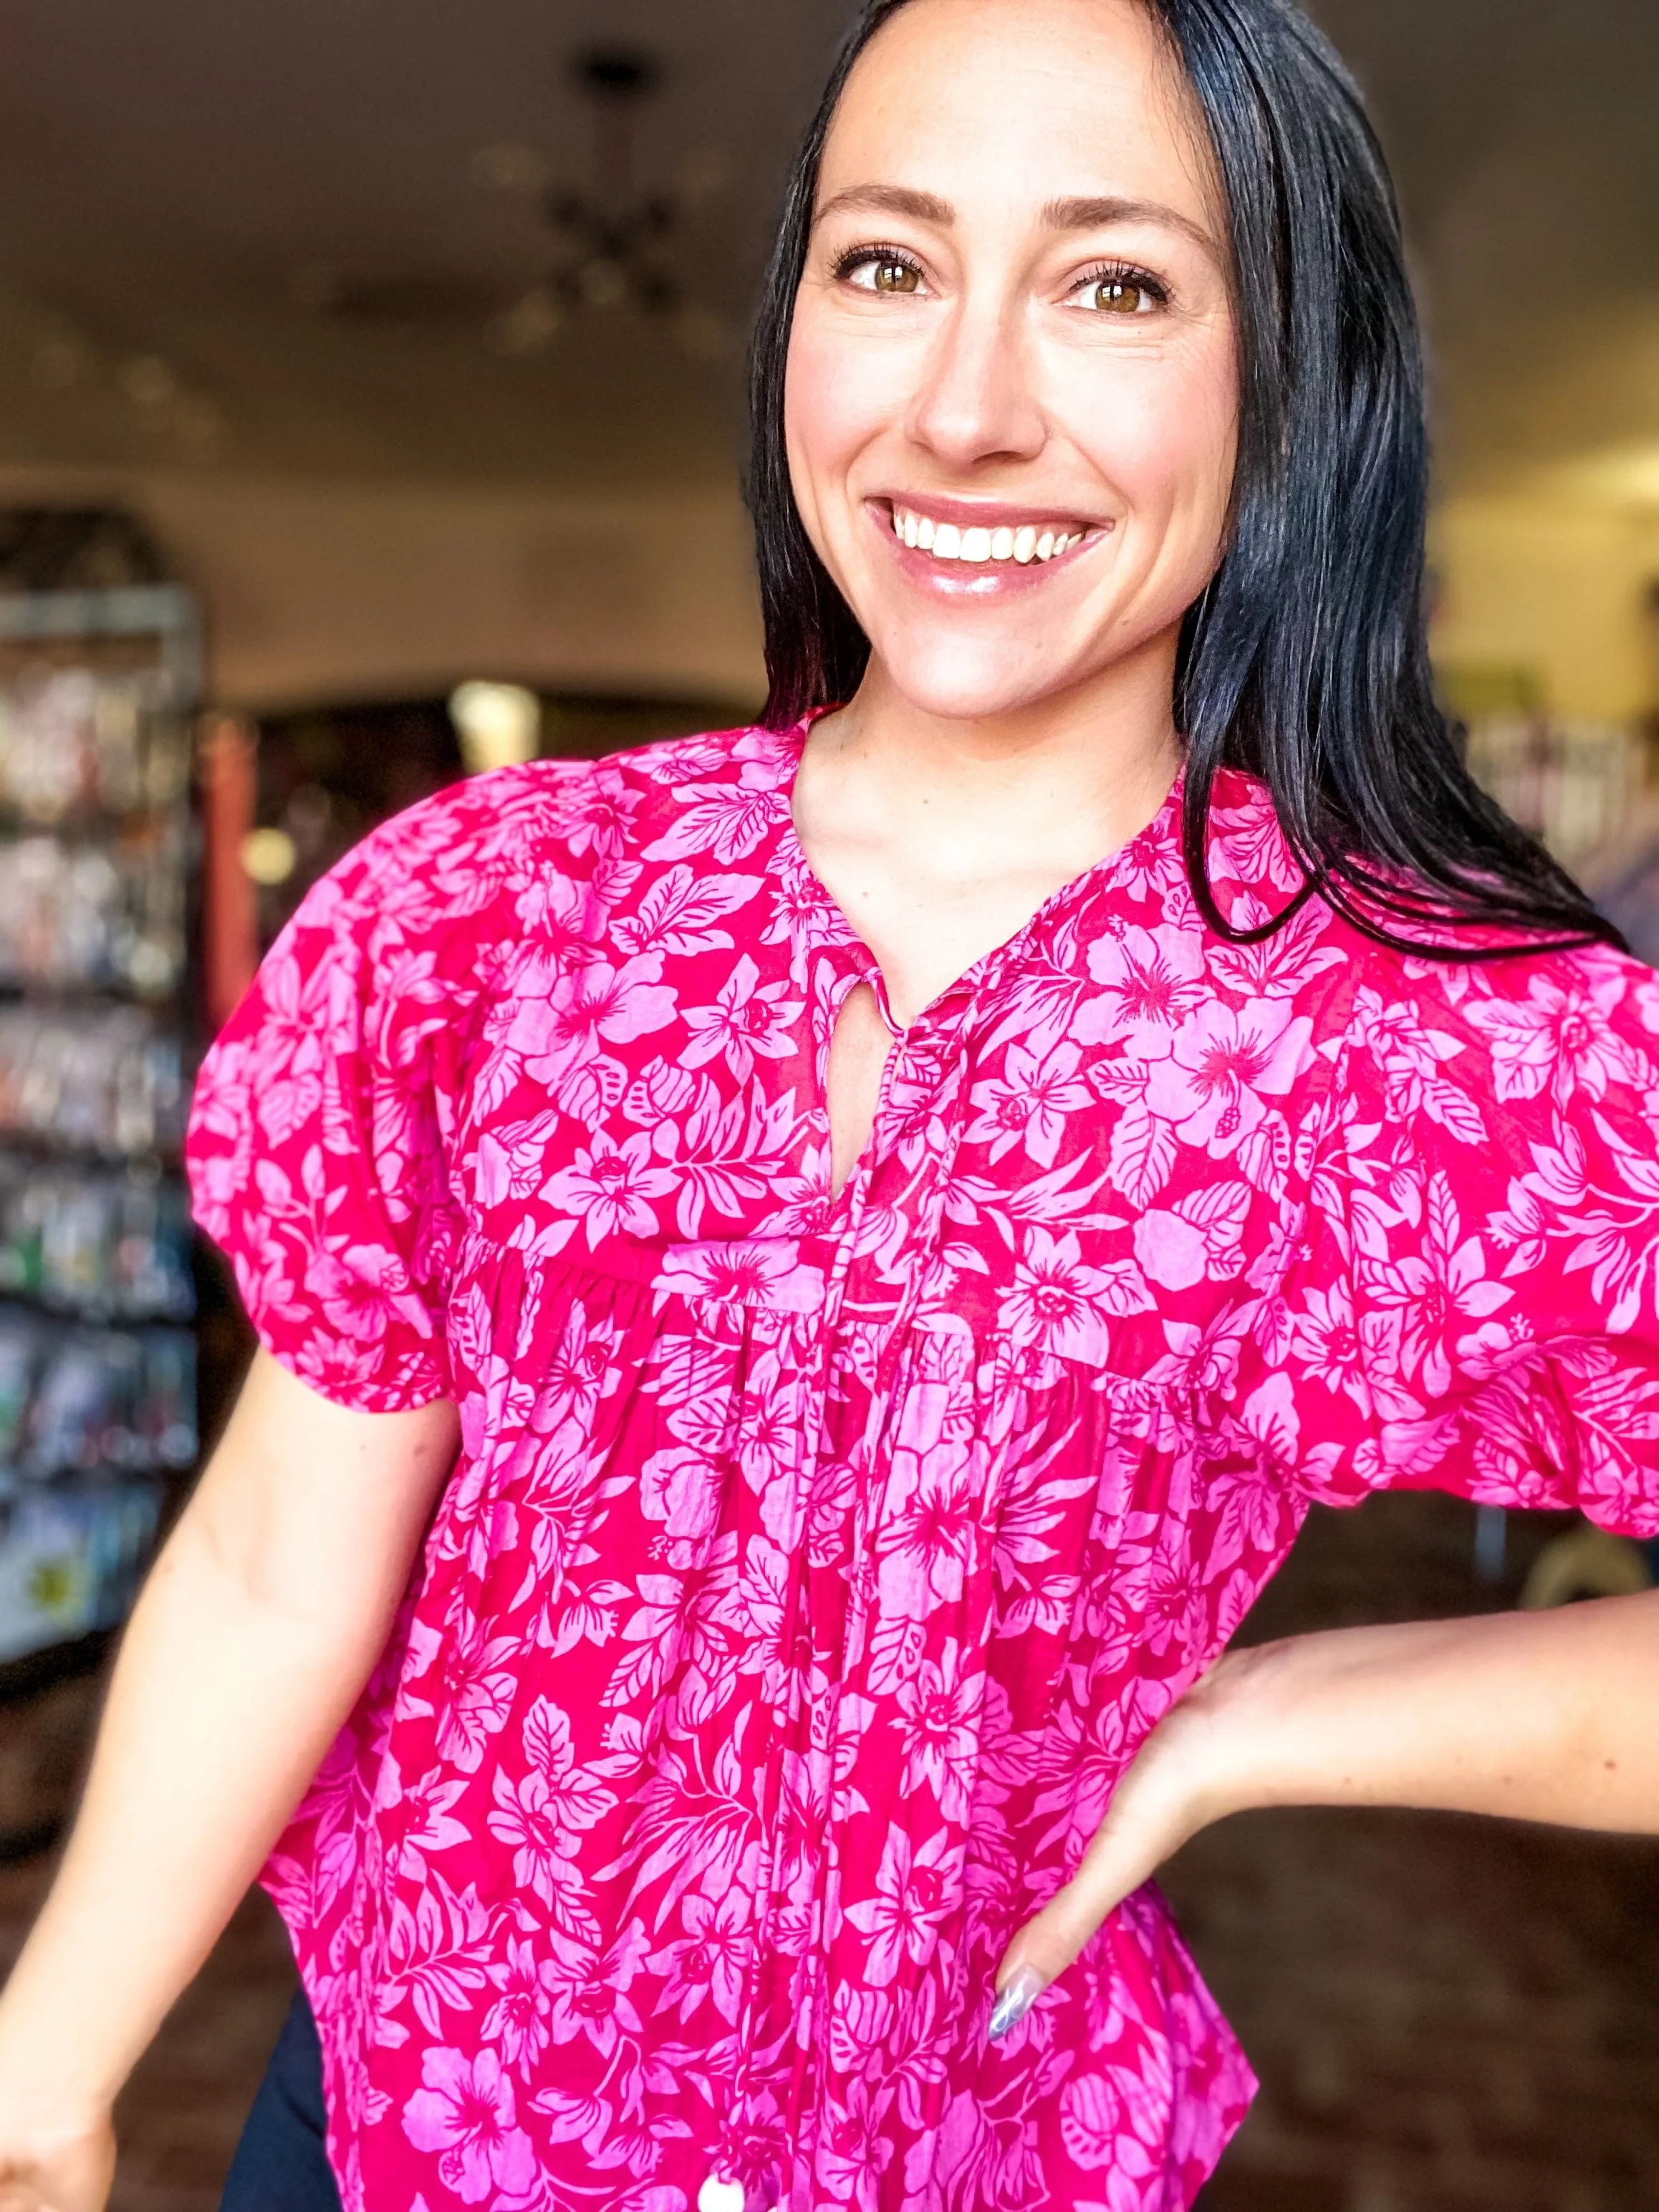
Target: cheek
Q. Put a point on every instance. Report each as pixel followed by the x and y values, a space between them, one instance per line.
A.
pixel 839 395
pixel 1162 429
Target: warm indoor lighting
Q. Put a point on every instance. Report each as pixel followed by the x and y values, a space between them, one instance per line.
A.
pixel 268 856
pixel 499 725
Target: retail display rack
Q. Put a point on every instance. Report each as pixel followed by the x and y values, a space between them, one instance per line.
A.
pixel 97 1423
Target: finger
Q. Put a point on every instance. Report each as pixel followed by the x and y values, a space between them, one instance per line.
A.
pixel 1118 1861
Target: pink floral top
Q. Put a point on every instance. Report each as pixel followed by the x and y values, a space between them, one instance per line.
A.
pixel 814 1565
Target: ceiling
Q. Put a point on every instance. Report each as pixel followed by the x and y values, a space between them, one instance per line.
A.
pixel 185 188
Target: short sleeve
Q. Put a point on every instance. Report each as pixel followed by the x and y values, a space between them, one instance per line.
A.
pixel 316 1152
pixel 1474 1304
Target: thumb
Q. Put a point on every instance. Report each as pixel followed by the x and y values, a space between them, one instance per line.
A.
pixel 1124 1853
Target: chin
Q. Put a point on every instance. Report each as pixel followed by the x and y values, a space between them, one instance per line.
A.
pixel 958 679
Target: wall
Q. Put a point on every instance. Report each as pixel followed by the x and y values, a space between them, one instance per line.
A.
pixel 1556 585
pixel 326 592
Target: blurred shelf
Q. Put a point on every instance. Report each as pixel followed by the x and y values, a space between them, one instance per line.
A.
pixel 85 1316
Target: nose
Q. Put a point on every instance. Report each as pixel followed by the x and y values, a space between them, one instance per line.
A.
pixel 977 402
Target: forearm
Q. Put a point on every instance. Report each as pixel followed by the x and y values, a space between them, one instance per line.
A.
pixel 221 1709
pixel 252 1639
pixel 1537 1716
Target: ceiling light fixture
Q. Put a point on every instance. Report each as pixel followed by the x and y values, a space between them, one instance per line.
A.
pixel 609 239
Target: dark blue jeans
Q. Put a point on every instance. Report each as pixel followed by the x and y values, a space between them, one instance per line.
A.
pixel 280 2164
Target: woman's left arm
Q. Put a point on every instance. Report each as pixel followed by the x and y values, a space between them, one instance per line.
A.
pixel 1534 1717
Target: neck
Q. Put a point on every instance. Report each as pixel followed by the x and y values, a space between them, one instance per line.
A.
pixel 1079 773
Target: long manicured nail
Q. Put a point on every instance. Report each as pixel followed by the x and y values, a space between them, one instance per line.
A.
pixel 1015 2002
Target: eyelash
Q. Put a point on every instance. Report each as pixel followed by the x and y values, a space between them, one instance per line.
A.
pixel 1105 272
pixel 865 257
pixel 1126 272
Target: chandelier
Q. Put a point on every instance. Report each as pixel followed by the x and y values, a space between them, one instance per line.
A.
pixel 609 240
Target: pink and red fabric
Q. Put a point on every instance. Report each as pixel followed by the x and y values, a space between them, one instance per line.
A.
pixel 813 1567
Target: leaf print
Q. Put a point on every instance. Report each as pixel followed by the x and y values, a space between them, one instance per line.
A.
pixel 725 821
pixel 437 1949
pixel 896 1645
pixel 1090 2120
pixel 678 912
pixel 810 1572
pixel 1143 1154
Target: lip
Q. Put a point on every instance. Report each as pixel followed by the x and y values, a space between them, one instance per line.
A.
pixel 983 514
pixel 979 581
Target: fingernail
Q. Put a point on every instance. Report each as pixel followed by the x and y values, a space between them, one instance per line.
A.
pixel 1014 2002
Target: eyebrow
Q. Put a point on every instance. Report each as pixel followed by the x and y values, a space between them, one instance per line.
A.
pixel 1080 214
pixel 889 199
pixel 1097 214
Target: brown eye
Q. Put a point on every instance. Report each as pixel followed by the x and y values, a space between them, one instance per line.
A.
pixel 894 276
pixel 1119 295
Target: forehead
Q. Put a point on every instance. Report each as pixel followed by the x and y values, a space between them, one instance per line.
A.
pixel 1017 101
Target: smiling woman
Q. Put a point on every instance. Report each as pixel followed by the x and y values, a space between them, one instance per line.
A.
pixel 809 1275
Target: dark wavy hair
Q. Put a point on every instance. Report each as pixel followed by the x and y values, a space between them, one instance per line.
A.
pixel 1305 659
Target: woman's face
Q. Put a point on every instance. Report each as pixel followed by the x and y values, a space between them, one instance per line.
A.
pixel 1011 395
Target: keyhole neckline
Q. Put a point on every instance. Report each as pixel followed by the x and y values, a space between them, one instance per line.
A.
pixel 1095 878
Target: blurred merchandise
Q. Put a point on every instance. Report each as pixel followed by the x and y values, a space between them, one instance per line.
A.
pixel 97 1393
pixel 76 1401
pixel 106 915
pixel 92 1078
pixel 115 1245
pixel 71 1560
pixel 73 743
pixel 1572 784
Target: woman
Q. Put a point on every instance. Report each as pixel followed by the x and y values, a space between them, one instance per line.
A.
pixel 899 1210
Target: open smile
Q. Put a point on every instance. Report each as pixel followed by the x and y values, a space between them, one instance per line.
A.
pixel 1002 541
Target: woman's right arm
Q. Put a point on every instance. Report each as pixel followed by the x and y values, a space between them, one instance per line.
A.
pixel 263 1616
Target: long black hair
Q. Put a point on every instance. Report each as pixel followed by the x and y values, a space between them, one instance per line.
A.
pixel 1305 659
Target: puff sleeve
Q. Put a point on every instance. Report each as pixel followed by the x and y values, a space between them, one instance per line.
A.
pixel 1474 1305
pixel 317 1146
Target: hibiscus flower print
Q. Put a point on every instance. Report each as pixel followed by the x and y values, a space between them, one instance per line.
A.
pixel 939 1708
pixel 519 2021
pixel 1559 1038
pixel 749 1018
pixel 1029 1103
pixel 1224 1062
pixel 708 1963
pixel 799 1548
pixel 914 1890
pixel 610 1187
pixel 1064 1306
pixel 1150 980
pixel 465 2112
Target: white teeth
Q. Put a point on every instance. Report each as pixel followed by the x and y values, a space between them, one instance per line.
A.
pixel 948 541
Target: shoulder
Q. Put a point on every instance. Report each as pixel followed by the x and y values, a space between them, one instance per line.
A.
pixel 476 858
pixel 1580 1025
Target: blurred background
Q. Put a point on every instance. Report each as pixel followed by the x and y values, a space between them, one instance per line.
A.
pixel 370 412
